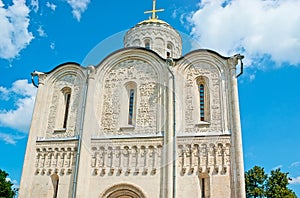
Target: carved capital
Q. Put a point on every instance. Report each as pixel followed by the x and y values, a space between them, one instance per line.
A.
pixel 233 61
pixel 91 72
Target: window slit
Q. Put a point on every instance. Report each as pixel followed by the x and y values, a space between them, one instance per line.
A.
pixel 202 102
pixel 67 99
pixel 56 189
pixel 131 106
pixel 203 188
pixel 147 45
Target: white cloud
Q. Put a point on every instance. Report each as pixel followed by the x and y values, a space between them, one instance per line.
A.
pixel 78 7
pixel 256 28
pixel 7 138
pixel 295 164
pixel 4 93
pixel 41 31
pixel 52 45
pixel 252 77
pixel 34 5
pixel 295 180
pixel 52 6
pixel 14 34
pixel 19 118
pixel 14 182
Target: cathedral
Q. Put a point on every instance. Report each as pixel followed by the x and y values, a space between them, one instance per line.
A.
pixel 145 122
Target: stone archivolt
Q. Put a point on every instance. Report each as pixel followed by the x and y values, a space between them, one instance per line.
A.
pixel 55 158
pixel 127 160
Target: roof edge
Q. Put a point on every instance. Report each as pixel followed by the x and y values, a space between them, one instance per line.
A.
pixel 202 50
pixel 63 64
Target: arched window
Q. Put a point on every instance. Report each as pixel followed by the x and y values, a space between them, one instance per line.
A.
pixel 131 106
pixel 204 186
pixel 147 44
pixel 131 94
pixel 203 98
pixel 55 182
pixel 66 104
pixel 169 50
pixel 63 109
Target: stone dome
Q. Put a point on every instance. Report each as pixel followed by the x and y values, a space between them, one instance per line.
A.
pixel 156 35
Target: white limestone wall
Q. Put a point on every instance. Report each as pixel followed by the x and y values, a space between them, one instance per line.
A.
pixel 113 154
pixel 162 38
pixel 213 71
pixel 50 148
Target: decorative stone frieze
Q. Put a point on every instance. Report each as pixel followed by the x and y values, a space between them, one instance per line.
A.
pixel 127 158
pixel 55 157
pixel 204 156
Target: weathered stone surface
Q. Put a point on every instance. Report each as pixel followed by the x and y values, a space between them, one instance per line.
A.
pixel 87 146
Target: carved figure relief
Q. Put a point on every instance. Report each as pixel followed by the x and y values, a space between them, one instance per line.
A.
pixel 134 160
pixel 57 159
pixel 213 158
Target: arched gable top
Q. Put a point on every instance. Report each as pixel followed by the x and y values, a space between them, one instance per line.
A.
pixel 209 51
pixel 125 50
pixel 64 64
pixel 66 69
pixel 131 53
pixel 203 56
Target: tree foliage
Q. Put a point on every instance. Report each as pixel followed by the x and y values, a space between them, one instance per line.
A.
pixel 259 184
pixel 6 186
pixel 255 180
pixel 277 185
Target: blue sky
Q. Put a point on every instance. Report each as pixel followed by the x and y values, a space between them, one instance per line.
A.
pixel 39 35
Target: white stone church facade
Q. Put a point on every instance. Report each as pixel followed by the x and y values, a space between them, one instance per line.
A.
pixel 146 122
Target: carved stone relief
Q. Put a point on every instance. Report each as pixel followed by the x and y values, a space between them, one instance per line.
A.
pixel 202 156
pixel 73 82
pixel 191 105
pixel 131 159
pixel 146 80
pixel 55 158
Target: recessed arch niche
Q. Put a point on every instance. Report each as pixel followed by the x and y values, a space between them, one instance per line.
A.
pixel 123 191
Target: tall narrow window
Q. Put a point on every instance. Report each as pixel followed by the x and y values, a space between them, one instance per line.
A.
pixel 67 105
pixel 203 109
pixel 169 50
pixel 55 182
pixel 131 106
pixel 147 45
pixel 204 185
pixel 202 188
pixel 202 102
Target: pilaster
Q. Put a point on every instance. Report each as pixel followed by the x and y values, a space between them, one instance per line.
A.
pixel 237 148
pixel 84 147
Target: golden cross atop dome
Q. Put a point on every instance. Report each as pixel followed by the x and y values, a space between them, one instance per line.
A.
pixel 153 11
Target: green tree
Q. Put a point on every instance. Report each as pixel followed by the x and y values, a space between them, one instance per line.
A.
pixel 277 185
pixel 255 180
pixel 6 190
